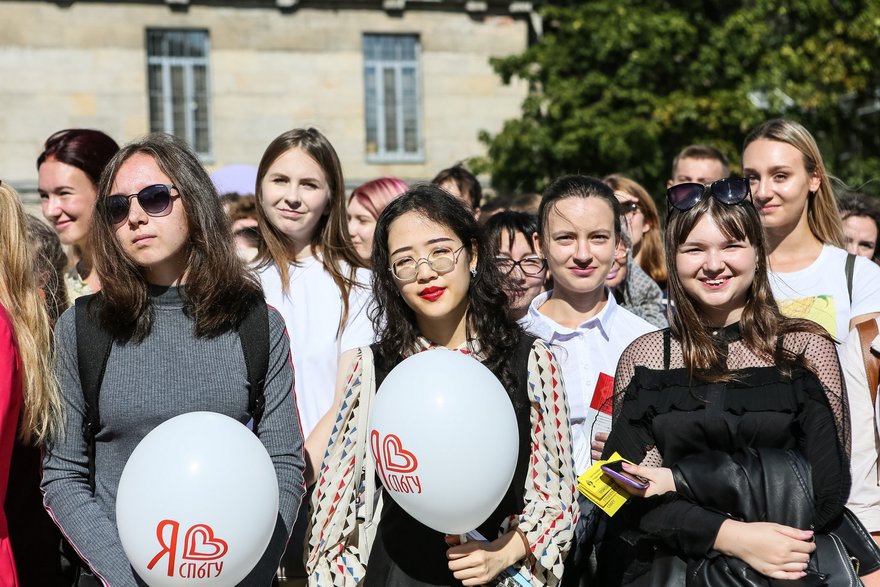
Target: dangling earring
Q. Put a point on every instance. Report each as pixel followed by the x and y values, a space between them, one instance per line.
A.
pixel 473 271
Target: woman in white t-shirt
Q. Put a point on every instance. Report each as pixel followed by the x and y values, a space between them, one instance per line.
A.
pixel 311 273
pixel 793 195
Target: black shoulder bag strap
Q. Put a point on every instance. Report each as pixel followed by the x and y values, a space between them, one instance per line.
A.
pixel 93 345
pixel 254 335
pixel 850 268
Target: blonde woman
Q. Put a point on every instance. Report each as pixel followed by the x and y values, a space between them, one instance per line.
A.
pixel 643 220
pixel 795 201
pixel 29 400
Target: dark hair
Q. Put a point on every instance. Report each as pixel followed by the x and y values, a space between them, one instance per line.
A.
pixel 702 152
pixel 85 149
pixel 331 236
pixel 240 207
pixel 577 186
pixel 857 204
pixel 467 183
pixel 50 262
pixel 219 290
pixel 487 319
pixel 761 321
pixel 514 223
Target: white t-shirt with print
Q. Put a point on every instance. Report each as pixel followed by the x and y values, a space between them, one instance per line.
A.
pixel 819 292
pixel 312 309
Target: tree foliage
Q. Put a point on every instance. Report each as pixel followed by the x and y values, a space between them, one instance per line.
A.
pixel 623 85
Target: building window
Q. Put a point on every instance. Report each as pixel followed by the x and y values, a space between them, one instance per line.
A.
pixel 177 70
pixel 392 102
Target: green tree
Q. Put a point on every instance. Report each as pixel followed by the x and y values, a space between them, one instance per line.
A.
pixel 623 85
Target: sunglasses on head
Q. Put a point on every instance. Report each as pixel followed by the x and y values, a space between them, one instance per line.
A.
pixel 155 200
pixel 732 190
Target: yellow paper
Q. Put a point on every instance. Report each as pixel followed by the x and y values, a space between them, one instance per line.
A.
pixel 601 489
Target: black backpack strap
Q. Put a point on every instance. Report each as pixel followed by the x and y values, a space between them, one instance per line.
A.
pixel 254 335
pixel 93 345
pixel 850 268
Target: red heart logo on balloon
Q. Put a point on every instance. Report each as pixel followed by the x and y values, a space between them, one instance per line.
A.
pixel 398 459
pixel 200 544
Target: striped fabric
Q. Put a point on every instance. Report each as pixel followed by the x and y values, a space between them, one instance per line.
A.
pixel 549 515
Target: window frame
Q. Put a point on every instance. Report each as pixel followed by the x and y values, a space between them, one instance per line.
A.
pixel 379 66
pixel 188 66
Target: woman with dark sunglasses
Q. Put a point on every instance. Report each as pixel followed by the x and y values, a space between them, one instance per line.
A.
pixel 809 266
pixel 436 284
pixel 731 375
pixel 174 296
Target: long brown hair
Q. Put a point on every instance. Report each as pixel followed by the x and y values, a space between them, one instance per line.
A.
pixel 331 238
pixel 823 216
pixel 761 322
pixel 651 247
pixel 219 290
pixel 41 415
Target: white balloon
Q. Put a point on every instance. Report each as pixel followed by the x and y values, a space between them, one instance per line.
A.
pixel 444 437
pixel 197 502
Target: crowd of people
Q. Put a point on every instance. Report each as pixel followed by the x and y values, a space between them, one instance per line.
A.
pixel 720 353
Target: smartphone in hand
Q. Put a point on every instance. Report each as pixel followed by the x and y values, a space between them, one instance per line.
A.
pixel 615 470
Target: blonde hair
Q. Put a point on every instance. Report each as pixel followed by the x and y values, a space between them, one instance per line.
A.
pixel 41 407
pixel 651 247
pixel 823 216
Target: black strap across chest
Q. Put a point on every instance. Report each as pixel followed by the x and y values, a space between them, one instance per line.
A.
pixel 94 346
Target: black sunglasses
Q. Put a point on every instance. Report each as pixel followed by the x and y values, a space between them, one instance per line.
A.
pixel 732 190
pixel 155 200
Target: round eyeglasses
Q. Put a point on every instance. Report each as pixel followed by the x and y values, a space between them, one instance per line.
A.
pixel 441 260
pixel 529 265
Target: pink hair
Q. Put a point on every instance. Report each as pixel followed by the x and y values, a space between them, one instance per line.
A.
pixel 377 194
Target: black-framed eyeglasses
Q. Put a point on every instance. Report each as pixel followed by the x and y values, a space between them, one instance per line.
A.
pixel 732 190
pixel 528 265
pixel 155 200
pixel 441 260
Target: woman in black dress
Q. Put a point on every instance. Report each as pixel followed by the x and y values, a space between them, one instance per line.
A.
pixel 729 375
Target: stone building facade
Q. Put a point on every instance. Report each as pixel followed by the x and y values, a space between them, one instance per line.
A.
pixel 400 87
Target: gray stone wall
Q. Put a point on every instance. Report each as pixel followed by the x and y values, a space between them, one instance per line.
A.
pixel 83 64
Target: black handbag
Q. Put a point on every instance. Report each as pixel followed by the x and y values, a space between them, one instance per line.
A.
pixel 779 490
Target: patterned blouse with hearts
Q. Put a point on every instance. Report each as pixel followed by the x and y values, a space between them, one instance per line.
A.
pixel 548 517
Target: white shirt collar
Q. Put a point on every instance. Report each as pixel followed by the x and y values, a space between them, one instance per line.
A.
pixel 545 327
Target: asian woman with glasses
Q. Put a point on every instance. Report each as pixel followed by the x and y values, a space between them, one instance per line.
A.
pixel 694 404
pixel 437 284
pixel 525 270
pixel 808 264
pixel 173 299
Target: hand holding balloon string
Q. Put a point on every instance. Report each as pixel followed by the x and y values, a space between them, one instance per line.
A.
pixel 478 561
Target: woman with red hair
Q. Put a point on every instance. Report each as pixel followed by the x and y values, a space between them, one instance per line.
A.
pixel 365 204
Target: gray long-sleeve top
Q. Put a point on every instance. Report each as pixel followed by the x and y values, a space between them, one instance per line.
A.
pixel 170 373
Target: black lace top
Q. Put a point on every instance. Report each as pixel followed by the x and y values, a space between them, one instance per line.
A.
pixel 662 416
